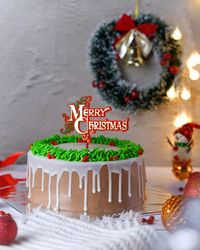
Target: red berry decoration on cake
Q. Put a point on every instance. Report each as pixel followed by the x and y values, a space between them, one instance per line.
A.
pixel 181 150
pixel 8 229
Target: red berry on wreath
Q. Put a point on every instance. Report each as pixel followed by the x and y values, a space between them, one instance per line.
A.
pixel 163 62
pixel 94 84
pixel 167 56
pixel 101 85
pixel 8 229
pixel 117 57
pixel 174 70
pixel 127 99
pixel 134 94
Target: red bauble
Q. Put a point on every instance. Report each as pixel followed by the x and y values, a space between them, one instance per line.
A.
pixel 8 229
pixel 174 70
pixel 163 62
pixel 167 56
pixel 134 94
pixel 192 188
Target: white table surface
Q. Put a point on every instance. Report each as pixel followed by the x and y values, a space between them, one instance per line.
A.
pixel 159 178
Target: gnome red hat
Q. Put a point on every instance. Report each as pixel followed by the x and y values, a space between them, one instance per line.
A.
pixel 187 130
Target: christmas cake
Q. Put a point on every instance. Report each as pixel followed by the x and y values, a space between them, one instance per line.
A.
pixel 108 177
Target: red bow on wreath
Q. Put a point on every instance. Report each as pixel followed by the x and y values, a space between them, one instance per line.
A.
pixel 130 32
pixel 7 180
pixel 125 24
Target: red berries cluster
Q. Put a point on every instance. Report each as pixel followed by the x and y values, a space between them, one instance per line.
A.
pixel 134 95
pixel 49 156
pixel 149 221
pixel 165 61
pixel 140 152
pixel 111 143
pixel 54 143
pixel 114 158
pixel 99 85
pixel 85 158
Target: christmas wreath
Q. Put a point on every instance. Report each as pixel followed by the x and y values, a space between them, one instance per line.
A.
pixel 104 62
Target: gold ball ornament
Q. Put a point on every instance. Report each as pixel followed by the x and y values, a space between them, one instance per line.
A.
pixel 172 214
pixel 182 170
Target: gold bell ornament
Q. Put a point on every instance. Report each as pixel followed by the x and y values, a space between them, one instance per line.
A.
pixel 134 45
pixel 134 48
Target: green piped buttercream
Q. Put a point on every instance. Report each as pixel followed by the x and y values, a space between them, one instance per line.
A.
pixel 125 149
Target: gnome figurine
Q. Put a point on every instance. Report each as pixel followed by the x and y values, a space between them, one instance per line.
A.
pixel 181 150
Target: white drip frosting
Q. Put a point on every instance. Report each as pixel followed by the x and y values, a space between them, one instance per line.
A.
pixel 56 168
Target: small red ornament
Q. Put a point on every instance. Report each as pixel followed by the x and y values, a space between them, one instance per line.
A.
pixel 127 99
pixel 94 84
pixel 174 70
pixel 163 62
pixel 101 85
pixel 134 94
pixel 8 229
pixel 192 187
pixel 117 57
pixel 167 56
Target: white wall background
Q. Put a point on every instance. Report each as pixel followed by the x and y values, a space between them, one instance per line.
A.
pixel 43 66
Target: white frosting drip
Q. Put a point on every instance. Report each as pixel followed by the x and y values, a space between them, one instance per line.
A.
pixel 49 192
pixel 93 183
pixel 120 187
pixel 58 167
pixel 98 182
pixel 29 181
pixel 42 182
pixel 70 185
pixel 85 192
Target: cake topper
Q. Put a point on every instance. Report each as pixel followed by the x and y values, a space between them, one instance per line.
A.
pixel 80 120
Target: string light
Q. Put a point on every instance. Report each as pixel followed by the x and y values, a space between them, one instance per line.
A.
pixel 185 94
pixel 192 61
pixel 181 120
pixel 177 34
pixel 171 93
